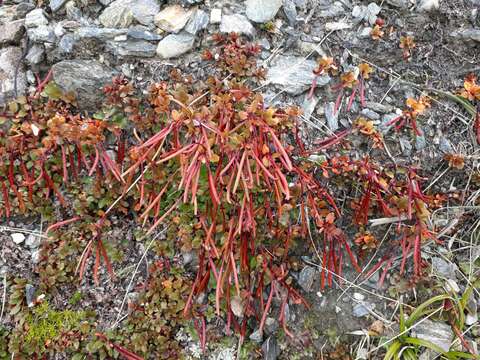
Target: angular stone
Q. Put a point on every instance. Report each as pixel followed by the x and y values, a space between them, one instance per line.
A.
pixel 142 33
pixel 56 5
pixel 294 74
pixel 469 34
pixel 121 13
pixel 14 12
pixel 36 18
pixel 306 278
pixel 41 34
pixel 173 18
pixel 18 238
pixel 270 349
pixel 261 11
pixel 175 45
pixel 10 58
pixel 36 54
pixel 137 48
pixel 216 16
pixel 102 34
pixel 436 332
pixel 428 5
pixel 290 11
pixel 85 78
pixel 332 116
pixel 116 16
pixel 33 241
pixel 198 21
pixel 66 44
pixel 11 33
pixel 237 23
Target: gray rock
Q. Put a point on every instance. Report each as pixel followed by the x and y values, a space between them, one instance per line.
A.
pixel 74 13
pixel 142 33
pixel 362 309
pixel 256 336
pixel 405 146
pixel 270 349
pixel 379 108
pixel 137 48
pixel 41 34
pixel 444 268
pixel 33 241
pixel 370 114
pixel 307 277
pixel 308 106
pixel 445 145
pixel 59 30
pixel 271 325
pixel 468 34
pixel 173 18
pixel 366 13
pixel 290 11
pixel 175 45
pixel 9 58
pixel 30 295
pixel 237 23
pixel 400 3
pixel 36 256
pixel 102 34
pixel 11 33
pixel 17 238
pixel 56 5
pixel 331 116
pixel 121 13
pixel 420 142
pixel 105 2
pixel 35 18
pixel 437 333
pixel 85 78
pixel 36 54
pixel 428 5
pixel 66 44
pixel 198 21
pixel 334 10
pixel 261 11
pixel 14 12
pixel 294 74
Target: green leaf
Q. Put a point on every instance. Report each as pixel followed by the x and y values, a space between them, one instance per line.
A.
pixel 52 91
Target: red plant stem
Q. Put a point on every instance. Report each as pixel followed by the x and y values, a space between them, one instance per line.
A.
pixel 51 185
pixel 312 88
pixel 352 97
pixel 281 150
pixel 26 178
pixel 64 164
pixel 61 223
pixel 154 226
pixel 6 200
pixel 362 92
pixel 95 162
pixel 338 102
pixel 267 307
pixel 477 125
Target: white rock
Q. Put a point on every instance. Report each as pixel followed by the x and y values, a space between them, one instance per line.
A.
pixel 216 16
pixel 121 13
pixel 17 238
pixel 175 45
pixel 429 5
pixel 436 332
pixel 262 11
pixel 237 23
pixel 173 18
pixel 339 25
pixel 35 18
pixel 294 74
pixel 33 241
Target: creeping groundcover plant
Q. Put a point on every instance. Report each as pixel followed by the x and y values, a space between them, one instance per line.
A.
pixel 226 175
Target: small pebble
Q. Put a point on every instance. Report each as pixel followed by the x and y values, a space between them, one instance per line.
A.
pixel 18 238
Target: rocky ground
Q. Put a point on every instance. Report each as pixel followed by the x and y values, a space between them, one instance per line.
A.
pixel 83 43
